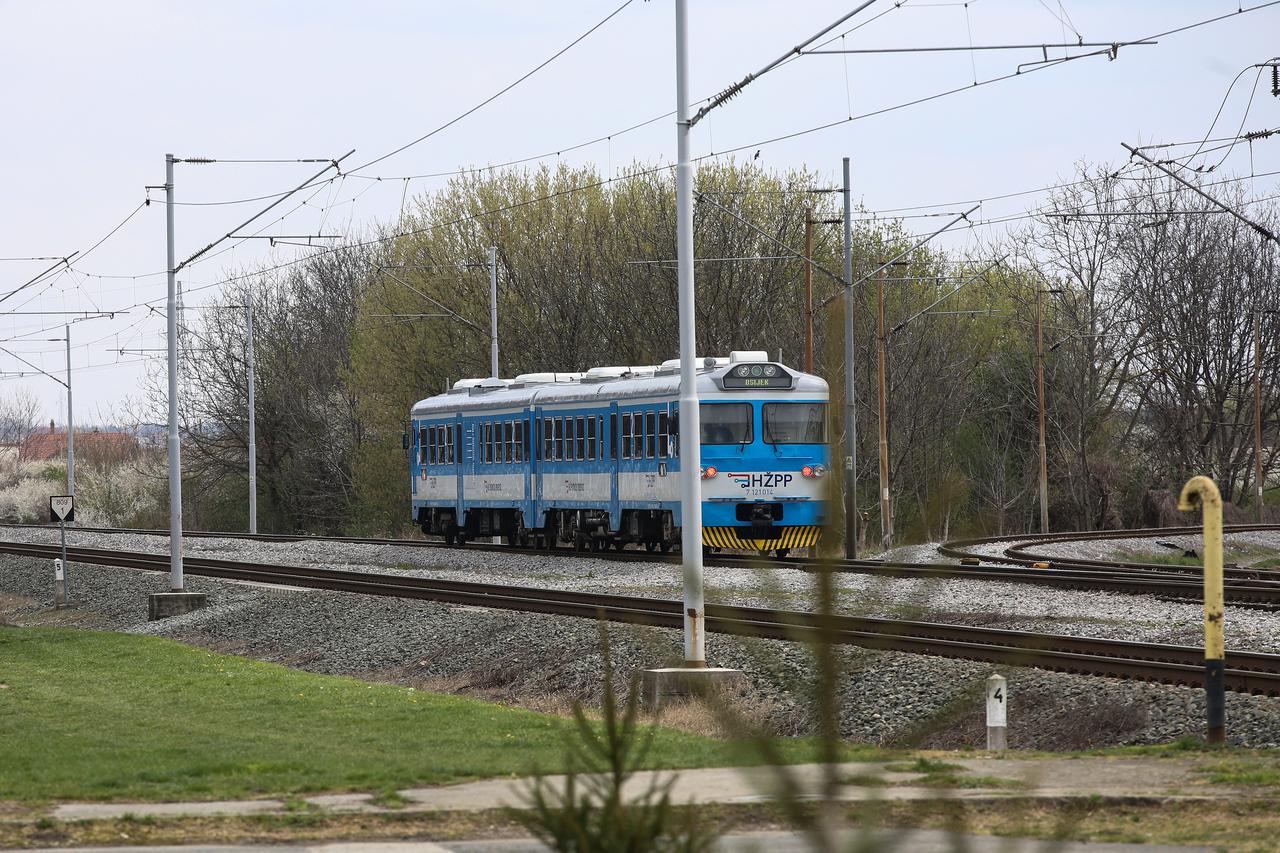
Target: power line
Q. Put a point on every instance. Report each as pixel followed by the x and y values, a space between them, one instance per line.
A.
pixel 596 184
pixel 561 52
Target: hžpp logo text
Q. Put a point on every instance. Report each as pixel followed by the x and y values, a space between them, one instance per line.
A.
pixel 766 480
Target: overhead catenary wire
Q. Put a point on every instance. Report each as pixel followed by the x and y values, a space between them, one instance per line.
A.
pixel 1204 22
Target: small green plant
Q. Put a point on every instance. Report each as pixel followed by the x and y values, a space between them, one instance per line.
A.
pixel 389 798
pixel 592 813
pixel 44 823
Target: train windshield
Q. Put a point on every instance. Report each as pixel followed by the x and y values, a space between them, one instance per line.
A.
pixel 795 423
pixel 725 423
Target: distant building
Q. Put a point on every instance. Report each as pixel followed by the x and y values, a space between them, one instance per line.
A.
pixel 94 446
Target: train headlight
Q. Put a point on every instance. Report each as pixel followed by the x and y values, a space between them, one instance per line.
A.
pixel 708 472
pixel 814 471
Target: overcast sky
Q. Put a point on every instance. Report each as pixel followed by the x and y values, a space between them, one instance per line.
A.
pixel 95 93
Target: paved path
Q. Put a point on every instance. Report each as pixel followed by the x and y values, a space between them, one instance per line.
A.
pixel 1112 778
pixel 915 841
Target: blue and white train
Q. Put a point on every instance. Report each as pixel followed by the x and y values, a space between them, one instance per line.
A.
pixel 592 458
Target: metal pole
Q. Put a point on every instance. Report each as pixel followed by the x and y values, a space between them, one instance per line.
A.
pixel 808 290
pixel 1044 452
pixel 1257 415
pixel 690 425
pixel 1203 492
pixel 175 450
pixel 66 597
pixel 850 386
pixel 886 512
pixel 253 433
pixel 71 428
pixel 493 311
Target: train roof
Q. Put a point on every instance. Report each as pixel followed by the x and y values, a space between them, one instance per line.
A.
pixel 608 383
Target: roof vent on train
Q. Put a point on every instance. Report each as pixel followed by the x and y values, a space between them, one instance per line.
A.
pixel 485 386
pixel 739 355
pixel 672 365
pixel 546 378
pixel 464 384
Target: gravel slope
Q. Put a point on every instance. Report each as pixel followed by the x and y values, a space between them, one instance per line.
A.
pixel 536 659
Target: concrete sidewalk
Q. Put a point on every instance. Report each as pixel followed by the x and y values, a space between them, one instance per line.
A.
pixel 915 841
pixel 982 778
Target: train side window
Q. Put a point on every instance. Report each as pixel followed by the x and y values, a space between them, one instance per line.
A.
pixel 422 445
pixel 591 438
pixel 626 435
pixel 559 448
pixel 613 435
pixel 664 424
pixel 582 438
pixel 548 439
pixel 497 441
pixel 651 434
pixel 518 443
pixel 568 439
pixel 675 431
pixel 600 434
pixel 509 440
pixel 440 445
pixel 637 435
pixel 448 444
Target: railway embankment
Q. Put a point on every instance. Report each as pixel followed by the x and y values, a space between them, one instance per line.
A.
pixel 546 661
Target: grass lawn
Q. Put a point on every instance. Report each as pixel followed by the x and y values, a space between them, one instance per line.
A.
pixel 92 715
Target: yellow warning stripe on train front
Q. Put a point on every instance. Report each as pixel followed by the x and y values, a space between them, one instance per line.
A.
pixel 796 536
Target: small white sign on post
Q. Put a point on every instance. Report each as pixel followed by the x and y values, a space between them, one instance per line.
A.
pixel 62 508
pixel 997 713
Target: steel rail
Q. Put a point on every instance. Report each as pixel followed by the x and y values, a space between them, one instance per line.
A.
pixel 1249 672
pixel 1248 588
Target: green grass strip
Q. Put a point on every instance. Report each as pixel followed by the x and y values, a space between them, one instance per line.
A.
pixel 100 716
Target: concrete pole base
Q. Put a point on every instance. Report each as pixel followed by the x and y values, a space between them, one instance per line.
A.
pixel 658 686
pixel 162 605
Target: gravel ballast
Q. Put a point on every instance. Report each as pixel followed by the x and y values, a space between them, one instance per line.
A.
pixel 541 660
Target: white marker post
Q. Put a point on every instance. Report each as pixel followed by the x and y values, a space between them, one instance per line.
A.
pixel 997 713
pixel 62 508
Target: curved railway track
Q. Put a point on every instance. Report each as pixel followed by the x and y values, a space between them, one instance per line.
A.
pixel 1243 587
pixel 1248 672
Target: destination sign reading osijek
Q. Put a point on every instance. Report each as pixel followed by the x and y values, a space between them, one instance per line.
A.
pixel 757 376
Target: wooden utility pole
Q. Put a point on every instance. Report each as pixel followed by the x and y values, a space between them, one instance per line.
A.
pixel 1044 452
pixel 1257 415
pixel 808 290
pixel 886 510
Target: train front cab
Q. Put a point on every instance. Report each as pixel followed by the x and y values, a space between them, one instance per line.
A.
pixel 764 470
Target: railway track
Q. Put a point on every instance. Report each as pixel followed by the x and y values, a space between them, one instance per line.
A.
pixel 1167 582
pixel 1248 672
pixel 1021 551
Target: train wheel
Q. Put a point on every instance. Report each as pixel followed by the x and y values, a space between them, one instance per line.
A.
pixel 782 553
pixel 650 546
pixel 664 547
pixel 618 544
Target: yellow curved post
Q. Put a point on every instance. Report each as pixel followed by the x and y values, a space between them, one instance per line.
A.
pixel 1201 491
